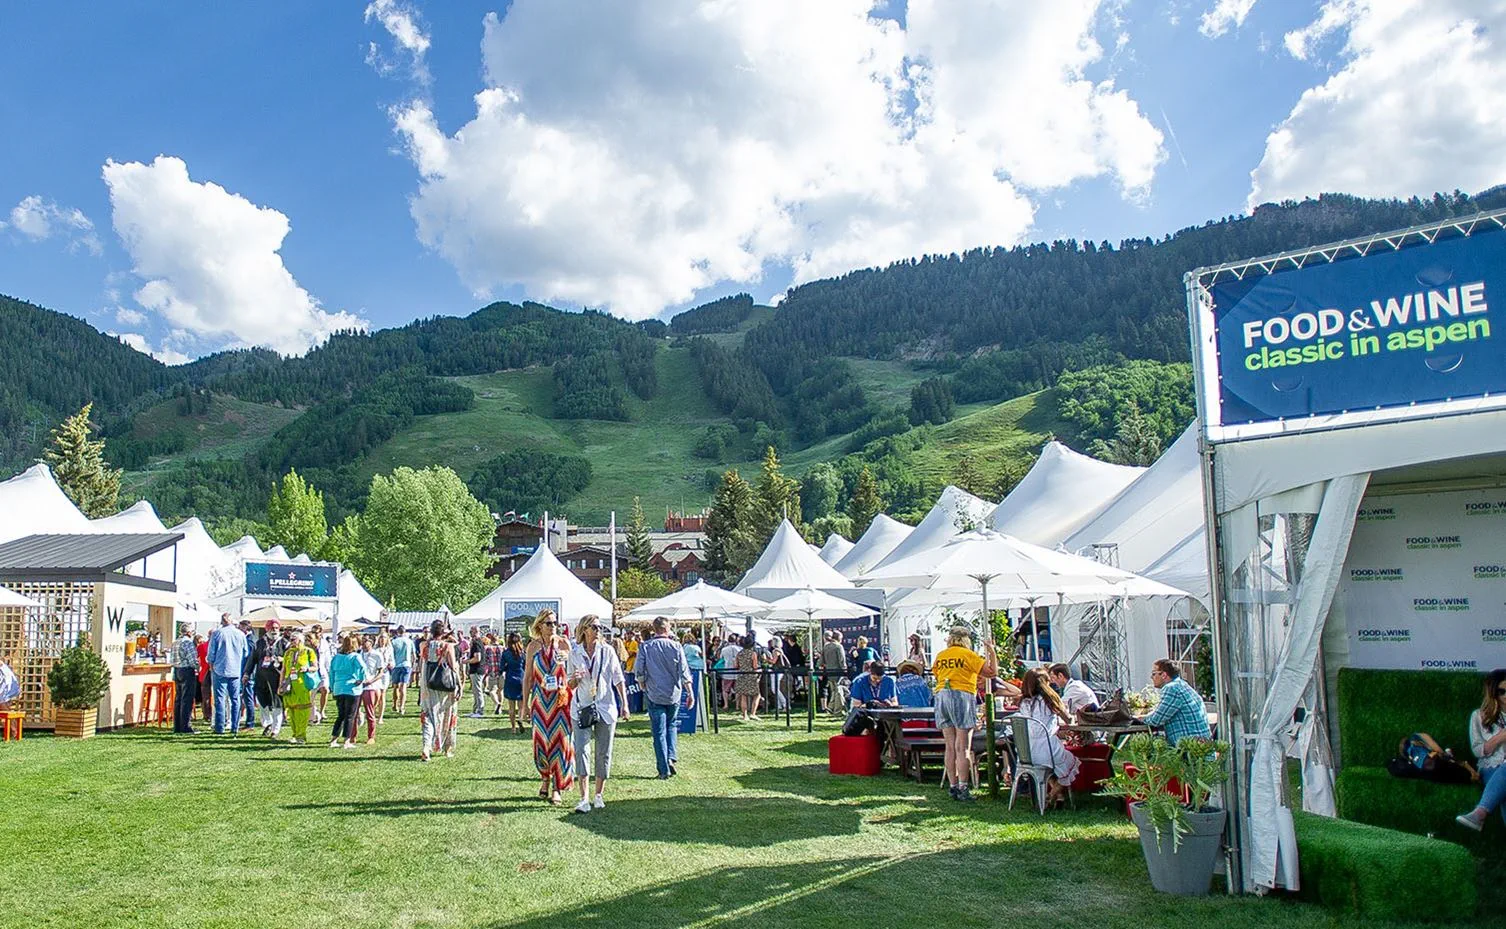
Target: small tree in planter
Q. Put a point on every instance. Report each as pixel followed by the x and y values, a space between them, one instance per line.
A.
pixel 78 680
pixel 1170 789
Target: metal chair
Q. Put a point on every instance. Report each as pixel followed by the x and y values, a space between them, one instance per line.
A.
pixel 1026 764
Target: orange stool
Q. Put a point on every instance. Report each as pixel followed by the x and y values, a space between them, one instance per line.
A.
pixel 162 691
pixel 167 694
pixel 13 721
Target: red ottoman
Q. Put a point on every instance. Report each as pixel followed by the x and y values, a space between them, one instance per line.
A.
pixel 853 754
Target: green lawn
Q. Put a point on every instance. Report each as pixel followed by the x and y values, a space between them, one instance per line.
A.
pixel 142 828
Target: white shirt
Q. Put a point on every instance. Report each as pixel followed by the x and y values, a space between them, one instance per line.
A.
pixel 729 656
pixel 603 672
pixel 1478 734
pixel 1076 696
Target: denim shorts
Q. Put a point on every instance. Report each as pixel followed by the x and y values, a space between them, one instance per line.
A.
pixel 956 709
pixel 399 675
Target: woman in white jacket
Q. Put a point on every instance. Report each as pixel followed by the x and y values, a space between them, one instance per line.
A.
pixel 1487 738
pixel 1040 704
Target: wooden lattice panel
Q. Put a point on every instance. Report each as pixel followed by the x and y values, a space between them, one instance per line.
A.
pixel 66 614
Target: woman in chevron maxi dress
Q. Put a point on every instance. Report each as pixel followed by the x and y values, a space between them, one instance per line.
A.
pixel 549 707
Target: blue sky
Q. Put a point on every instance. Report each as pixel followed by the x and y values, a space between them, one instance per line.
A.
pixel 645 157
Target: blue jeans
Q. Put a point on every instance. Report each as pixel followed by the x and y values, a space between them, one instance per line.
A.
pixel 248 700
pixel 663 728
pixel 227 703
pixel 1494 780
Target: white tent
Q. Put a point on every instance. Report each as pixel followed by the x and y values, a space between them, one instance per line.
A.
pixel 542 577
pixel 956 511
pixel 355 602
pixel 835 549
pixel 138 517
pixel 275 553
pixel 9 597
pixel 244 549
pixel 33 503
pixel 881 537
pixel 302 558
pixel 787 565
pixel 699 601
pixel 1062 491
pixel 205 572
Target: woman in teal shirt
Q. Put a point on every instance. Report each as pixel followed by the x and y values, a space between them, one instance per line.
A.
pixel 346 677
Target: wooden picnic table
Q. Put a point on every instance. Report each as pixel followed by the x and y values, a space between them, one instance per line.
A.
pixel 911 747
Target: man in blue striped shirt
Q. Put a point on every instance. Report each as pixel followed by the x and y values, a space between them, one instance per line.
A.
pixel 1180 712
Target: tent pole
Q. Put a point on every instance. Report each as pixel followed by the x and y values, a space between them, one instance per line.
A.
pixel 988 698
pixel 810 670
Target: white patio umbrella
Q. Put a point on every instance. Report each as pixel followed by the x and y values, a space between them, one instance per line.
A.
pixel 699 601
pixel 9 597
pixel 809 606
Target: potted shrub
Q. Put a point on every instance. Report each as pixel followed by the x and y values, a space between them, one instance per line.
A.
pixel 1170 789
pixel 78 680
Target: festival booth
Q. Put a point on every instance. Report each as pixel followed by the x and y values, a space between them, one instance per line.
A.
pixel 1354 461
pixel 880 538
pixel 788 565
pixel 99 588
pixel 541 582
pixel 310 588
pixel 33 503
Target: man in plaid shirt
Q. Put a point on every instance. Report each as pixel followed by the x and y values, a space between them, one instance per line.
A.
pixel 1180 712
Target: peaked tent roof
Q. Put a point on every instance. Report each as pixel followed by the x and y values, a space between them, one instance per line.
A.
pixel 276 553
pixel 882 535
pixel 355 601
pixel 1061 492
pixel 956 511
pixel 205 570
pixel 138 517
pixel 788 564
pixel 244 548
pixel 835 549
pixel 542 577
pixel 34 504
pixel 1157 523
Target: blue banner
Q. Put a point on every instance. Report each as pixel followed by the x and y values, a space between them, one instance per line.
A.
pixel 866 626
pixel 1385 330
pixel 281 579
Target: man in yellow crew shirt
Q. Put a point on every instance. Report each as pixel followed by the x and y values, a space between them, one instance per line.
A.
pixel 957 669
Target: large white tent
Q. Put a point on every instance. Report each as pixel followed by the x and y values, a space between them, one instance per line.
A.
pixel 877 541
pixel 205 572
pixel 1061 492
pixel 355 602
pixel 956 511
pixel 243 549
pixel 542 577
pixel 787 565
pixel 32 503
pixel 138 517
pixel 835 549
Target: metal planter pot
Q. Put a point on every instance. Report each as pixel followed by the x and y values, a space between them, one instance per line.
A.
pixel 1188 869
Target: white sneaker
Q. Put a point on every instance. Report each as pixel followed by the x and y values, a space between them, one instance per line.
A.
pixel 598 803
pixel 583 807
pixel 474 716
pixel 1470 821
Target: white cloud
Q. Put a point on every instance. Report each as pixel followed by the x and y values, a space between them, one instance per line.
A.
pixel 1415 106
pixel 405 27
pixel 210 261
pixel 40 219
pixel 166 355
pixel 630 154
pixel 129 317
pixel 1225 15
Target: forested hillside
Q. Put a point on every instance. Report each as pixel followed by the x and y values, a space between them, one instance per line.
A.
pixel 879 365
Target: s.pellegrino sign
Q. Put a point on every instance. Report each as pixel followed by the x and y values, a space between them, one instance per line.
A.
pixel 281 579
pixel 1388 324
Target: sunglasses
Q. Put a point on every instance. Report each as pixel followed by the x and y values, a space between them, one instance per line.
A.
pixel 550 625
pixel 1501 691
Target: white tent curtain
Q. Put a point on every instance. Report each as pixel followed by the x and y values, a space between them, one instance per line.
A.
pixel 1284 566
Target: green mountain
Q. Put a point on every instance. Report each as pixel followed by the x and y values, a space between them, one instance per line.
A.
pixel 934 369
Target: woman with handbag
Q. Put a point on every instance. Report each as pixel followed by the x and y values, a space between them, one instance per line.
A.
pixel 599 693
pixel 438 691
pixel 546 664
pixel 300 678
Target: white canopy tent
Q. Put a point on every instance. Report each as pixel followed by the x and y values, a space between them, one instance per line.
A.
pixel 275 553
pixel 1062 491
pixel 136 518
pixel 700 601
pixel 205 573
pixel 33 503
pixel 542 577
pixel 877 541
pixel 835 549
pixel 243 549
pixel 10 598
pixel 356 603
pixel 787 565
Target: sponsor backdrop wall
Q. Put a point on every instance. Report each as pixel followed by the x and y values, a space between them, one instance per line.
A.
pixel 1425 582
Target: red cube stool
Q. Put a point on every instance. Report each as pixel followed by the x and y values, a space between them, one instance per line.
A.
pixel 1093 766
pixel 853 754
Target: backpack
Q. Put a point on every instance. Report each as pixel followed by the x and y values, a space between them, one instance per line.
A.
pixel 1420 758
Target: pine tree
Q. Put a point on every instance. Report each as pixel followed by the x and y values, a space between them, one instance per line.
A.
pixel 639 547
pixel 295 516
pixel 730 541
pixel 78 463
pixel 1135 442
pixel 865 503
pixel 777 497
pixel 966 476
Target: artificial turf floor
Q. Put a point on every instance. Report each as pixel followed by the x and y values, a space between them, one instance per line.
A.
pixel 142 828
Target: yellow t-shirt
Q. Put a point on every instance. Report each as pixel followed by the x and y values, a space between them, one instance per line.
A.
pixel 632 650
pixel 957 668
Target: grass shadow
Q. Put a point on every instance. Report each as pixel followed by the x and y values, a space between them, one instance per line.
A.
pixel 418 807
pixel 500 735
pixel 738 822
